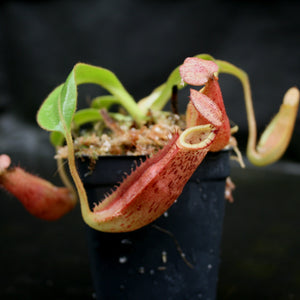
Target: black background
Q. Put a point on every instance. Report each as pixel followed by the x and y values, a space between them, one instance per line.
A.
pixel 142 42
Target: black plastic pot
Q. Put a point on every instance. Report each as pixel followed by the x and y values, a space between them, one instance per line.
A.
pixel 177 256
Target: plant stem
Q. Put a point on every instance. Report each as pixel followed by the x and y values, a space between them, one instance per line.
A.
pixel 276 137
pixel 85 209
pixel 64 178
pixel 225 67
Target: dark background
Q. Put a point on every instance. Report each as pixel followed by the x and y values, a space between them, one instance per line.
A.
pixel 142 42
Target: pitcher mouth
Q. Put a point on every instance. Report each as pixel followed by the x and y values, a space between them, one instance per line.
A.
pixel 197 137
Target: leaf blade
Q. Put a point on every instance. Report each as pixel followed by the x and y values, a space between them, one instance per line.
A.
pixel 48 115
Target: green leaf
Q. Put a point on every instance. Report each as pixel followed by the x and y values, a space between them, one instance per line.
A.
pixel 57 111
pixel 107 79
pixel 87 115
pixel 48 114
pixel 56 138
pixel 104 101
pixel 68 101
